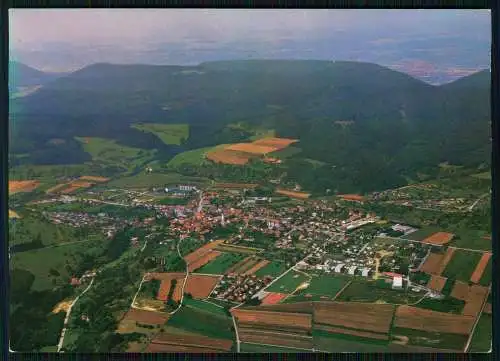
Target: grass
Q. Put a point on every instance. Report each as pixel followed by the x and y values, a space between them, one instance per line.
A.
pixel 191 157
pixel 326 285
pixel 173 201
pixel 448 287
pixel 251 347
pixel 28 228
pixel 483 334
pixel 174 134
pixel 274 269
pixel 288 283
pixel 437 340
pixel 206 323
pixel 107 151
pixel 301 298
pixel 483 175
pixel 145 180
pixel 473 239
pixel 370 291
pixel 448 304
pixel 462 265
pixel 221 264
pixel 286 152
pixel 333 342
pixel 205 306
pixel 421 234
pixel 486 276
pixel 49 172
pixel 237 249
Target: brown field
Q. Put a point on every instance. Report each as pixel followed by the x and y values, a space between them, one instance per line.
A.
pixel 345 331
pixel 203 260
pixel 62 306
pixel 237 249
pixel 487 309
pixel 193 256
pixel 22 186
pixel 147 317
pixel 94 178
pixel 228 157
pixel 352 197
pixel 362 316
pixel 481 266
pixel 475 300
pixel 270 318
pixel 200 286
pixel 73 186
pixel 273 298
pixel 439 238
pixel 460 291
pixel 235 185
pixel 279 143
pixel 293 194
pixel 432 264
pixel 275 338
pixel 446 259
pixel 298 307
pixel 242 265
pixel 13 214
pixel 56 188
pixel 163 348
pixel 193 340
pixel 432 321
pixel 436 283
pixel 251 148
pixel 164 275
pixel 257 267
pixel 165 288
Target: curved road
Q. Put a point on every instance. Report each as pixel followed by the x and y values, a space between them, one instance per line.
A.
pixel 185 279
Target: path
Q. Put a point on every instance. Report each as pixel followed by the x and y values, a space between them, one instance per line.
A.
pixel 132 305
pixel 477 201
pixel 237 335
pixel 66 320
pixel 471 250
pixel 295 348
pixel 185 279
pixel 469 340
pixel 342 290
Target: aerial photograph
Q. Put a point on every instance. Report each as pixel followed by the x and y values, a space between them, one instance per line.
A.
pixel 249 181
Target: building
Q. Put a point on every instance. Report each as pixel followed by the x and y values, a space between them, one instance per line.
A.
pixel 365 272
pixel 397 282
pixel 352 269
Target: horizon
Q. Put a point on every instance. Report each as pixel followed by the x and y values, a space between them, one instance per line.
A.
pixel 433 45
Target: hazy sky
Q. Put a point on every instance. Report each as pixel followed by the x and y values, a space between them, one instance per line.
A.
pixel 57 38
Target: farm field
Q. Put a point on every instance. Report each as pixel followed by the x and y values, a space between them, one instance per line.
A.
pixel 274 268
pixel 226 156
pixel 205 306
pixel 255 268
pixel 221 264
pixel 243 265
pixel 193 340
pixel 206 258
pixel 194 157
pixel 462 265
pixel 273 298
pixel 361 316
pixel 288 283
pixel 174 134
pixel 355 334
pixel 439 238
pixel 487 274
pixel 473 239
pixel 421 234
pixel 146 317
pixel 258 348
pixel 146 180
pixel 480 267
pixel 253 335
pixel 326 285
pixel 331 342
pixel 285 153
pixel 369 291
pixel 297 307
pixel 169 348
pixel 288 320
pixel 197 320
pixel 436 283
pixel 293 194
pixel 302 298
pixel 481 340
pixel 436 340
pixel 22 186
pixel 200 286
pixel 448 304
pixel 237 249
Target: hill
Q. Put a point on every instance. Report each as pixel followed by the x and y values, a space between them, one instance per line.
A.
pixel 361 126
pixel 21 75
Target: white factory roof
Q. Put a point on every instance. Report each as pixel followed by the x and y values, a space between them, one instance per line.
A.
pixel 397 282
pixel 365 272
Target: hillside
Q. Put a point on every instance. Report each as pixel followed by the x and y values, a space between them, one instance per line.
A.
pixel 355 121
pixel 21 75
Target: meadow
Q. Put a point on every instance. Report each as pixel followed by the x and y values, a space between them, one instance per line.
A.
pixel 221 264
pixel 462 265
pixel 481 340
pixel 274 269
pixel 288 283
pixel 172 134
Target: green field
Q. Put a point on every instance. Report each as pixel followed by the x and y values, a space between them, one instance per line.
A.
pixel 462 265
pixel 432 339
pixel 421 234
pixel 302 298
pixel 191 157
pixel 274 269
pixel 288 283
pixel 221 264
pixel 326 285
pixel 483 334
pixel 174 134
pixel 173 201
pixel 286 152
pixel 486 277
pixel 448 287
pixel 484 175
pixel 252 347
pixel 334 342
pixel 448 304
pixel 200 321
pixel 145 180
pixel 28 228
pixel 41 261
pixel 107 151
pixel 48 172
pixel 473 239
pixel 205 306
pixel 370 291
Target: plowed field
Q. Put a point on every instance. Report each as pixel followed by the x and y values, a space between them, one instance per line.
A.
pixel 56 188
pixel 193 340
pixel 481 266
pixel 165 288
pixel 345 331
pixel 352 197
pixel 200 286
pixel 251 148
pixel 439 238
pixel 279 143
pixel 436 283
pixel 228 157
pixel 273 298
pixel 203 260
pixel 298 320
pixel 94 178
pixel 275 338
pixel 22 186
pixel 163 348
pixel 293 194
pixel 257 267
pixel 242 265
pixel 475 300
pixel 446 259
pixel 201 251
pixel 362 316
pixel 460 291
pixel 432 321
pixel 432 264
pixel 147 317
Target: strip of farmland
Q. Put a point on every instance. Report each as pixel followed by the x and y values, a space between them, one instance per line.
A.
pixel 254 336
pixel 200 286
pixel 158 347
pixel 296 320
pixel 475 300
pixel 237 249
pixel 436 283
pixel 193 340
pixel 257 267
pixel 201 251
pixel 432 263
pixel 299 307
pixel 362 316
pixel 439 238
pixel 147 317
pixel 200 262
pixel 272 328
pixel 432 321
pixel 346 331
pixel 481 266
pixel 446 259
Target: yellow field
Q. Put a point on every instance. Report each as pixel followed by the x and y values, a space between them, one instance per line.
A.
pixel 13 214
pixel 62 306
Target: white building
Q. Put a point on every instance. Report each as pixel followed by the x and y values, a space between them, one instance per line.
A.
pixel 397 282
pixel 339 267
pixel 352 269
pixel 365 272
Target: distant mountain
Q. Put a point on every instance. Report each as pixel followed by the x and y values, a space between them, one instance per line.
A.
pixel 397 126
pixel 21 75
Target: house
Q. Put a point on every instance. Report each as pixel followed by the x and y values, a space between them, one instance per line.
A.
pixel 397 282
pixel 365 272
pixel 352 269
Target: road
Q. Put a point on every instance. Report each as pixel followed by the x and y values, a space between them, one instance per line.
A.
pixel 237 336
pixel 467 345
pixel 185 279
pixel 66 320
pixel 477 201
pixel 132 305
